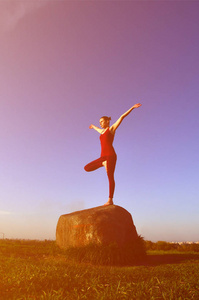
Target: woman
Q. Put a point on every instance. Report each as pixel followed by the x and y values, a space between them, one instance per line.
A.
pixel 108 156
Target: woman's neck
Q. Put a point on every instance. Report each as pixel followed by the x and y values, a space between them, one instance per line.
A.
pixel 105 129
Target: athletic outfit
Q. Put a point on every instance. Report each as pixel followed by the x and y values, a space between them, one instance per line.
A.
pixel 107 154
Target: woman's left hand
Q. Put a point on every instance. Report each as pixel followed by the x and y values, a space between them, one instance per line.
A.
pixel 137 105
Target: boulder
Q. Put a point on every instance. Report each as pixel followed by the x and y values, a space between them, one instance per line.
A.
pixel 101 225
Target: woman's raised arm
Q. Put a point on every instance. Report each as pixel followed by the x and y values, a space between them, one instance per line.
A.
pixel 121 118
pixel 96 128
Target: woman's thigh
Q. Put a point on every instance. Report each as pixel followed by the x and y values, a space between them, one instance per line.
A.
pixel 95 164
pixel 111 162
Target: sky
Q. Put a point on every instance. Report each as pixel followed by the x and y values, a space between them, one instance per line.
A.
pixel 63 65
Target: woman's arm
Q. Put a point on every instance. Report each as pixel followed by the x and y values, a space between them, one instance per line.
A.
pixel 121 118
pixel 96 128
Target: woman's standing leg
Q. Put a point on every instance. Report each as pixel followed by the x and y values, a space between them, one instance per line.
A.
pixel 111 162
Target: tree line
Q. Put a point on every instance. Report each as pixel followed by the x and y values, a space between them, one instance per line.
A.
pixel 165 246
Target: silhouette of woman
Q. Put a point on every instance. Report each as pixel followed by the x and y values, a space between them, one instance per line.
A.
pixel 108 156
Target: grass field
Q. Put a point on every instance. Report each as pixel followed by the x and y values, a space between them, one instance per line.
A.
pixel 40 270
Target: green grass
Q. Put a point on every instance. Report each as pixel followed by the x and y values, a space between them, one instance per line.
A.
pixel 40 270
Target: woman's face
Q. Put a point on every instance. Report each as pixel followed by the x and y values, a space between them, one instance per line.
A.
pixel 104 123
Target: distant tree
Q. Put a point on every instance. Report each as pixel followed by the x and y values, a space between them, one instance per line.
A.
pixel 161 245
pixel 165 246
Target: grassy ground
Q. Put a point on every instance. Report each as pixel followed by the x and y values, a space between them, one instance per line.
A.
pixel 40 270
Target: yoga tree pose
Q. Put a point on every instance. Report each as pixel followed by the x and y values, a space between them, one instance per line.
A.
pixel 108 156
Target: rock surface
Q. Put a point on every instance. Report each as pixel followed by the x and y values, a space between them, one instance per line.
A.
pixel 101 225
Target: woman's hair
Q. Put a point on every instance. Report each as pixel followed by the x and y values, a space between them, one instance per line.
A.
pixel 106 118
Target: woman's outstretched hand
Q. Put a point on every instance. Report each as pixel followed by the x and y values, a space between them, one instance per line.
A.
pixel 137 105
pixel 96 128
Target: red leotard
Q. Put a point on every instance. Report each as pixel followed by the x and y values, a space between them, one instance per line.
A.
pixel 106 140
pixel 107 154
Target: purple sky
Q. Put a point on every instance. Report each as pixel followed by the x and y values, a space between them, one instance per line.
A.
pixel 64 64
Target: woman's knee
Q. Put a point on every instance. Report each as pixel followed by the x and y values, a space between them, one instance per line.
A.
pixel 86 168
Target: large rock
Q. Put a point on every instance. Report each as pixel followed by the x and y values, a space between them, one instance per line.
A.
pixel 101 225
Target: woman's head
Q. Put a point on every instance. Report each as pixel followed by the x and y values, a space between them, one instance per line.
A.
pixel 105 121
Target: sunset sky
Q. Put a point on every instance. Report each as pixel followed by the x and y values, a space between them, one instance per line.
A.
pixel 63 65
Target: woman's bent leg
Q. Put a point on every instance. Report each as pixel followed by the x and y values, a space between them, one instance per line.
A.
pixel 94 165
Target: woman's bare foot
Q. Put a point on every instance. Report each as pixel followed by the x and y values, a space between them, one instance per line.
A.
pixel 109 202
pixel 105 164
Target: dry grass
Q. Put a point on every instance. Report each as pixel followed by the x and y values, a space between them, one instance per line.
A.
pixel 40 270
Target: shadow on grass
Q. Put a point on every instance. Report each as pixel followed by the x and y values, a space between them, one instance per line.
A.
pixel 155 259
pixel 132 253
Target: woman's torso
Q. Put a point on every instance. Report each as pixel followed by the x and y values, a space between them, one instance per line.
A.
pixel 106 139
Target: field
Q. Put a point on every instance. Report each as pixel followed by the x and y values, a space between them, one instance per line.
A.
pixel 40 270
